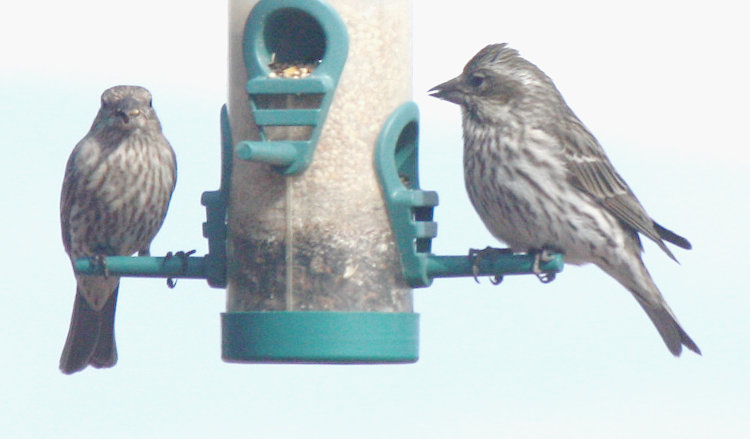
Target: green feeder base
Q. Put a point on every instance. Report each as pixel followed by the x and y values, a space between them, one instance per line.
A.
pixel 323 337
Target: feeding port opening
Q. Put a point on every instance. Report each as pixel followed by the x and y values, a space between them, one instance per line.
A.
pixel 294 37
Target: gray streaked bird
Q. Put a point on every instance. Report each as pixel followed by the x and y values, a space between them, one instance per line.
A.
pixel 118 183
pixel 540 180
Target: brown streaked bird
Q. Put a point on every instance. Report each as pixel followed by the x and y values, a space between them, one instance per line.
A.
pixel 541 181
pixel 117 186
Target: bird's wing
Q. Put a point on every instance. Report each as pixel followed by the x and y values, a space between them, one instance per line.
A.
pixel 592 172
pixel 71 182
pixel 66 199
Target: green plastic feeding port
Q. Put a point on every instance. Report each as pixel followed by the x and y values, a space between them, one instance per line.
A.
pixel 321 337
pixel 409 208
pixel 411 213
pixel 294 53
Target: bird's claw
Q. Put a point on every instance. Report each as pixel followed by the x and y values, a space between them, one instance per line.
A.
pixel 546 278
pixel 540 257
pixel 185 256
pixel 476 255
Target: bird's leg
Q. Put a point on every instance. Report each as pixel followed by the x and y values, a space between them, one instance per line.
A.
pixel 541 256
pixel 476 256
pixel 185 256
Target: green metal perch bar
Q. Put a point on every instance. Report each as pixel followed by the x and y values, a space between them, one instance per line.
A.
pixel 194 267
pixel 508 264
pixel 178 267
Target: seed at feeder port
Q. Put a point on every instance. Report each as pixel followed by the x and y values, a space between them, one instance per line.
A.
pixel 291 70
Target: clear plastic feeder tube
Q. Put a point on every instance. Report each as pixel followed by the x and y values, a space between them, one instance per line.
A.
pixel 319 240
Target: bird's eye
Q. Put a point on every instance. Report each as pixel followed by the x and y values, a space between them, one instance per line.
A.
pixel 476 80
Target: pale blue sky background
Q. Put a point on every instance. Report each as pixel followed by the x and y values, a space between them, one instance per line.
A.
pixel 664 86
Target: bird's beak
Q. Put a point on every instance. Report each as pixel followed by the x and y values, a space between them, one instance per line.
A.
pixel 128 108
pixel 449 91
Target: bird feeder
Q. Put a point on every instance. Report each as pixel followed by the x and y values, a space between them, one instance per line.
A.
pixel 314 273
pixel 319 229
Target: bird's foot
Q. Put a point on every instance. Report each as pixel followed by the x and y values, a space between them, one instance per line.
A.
pixel 100 261
pixel 540 257
pixel 476 255
pixel 185 256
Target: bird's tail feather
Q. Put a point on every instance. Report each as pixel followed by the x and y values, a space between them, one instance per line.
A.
pixel 672 237
pixel 669 328
pixel 633 275
pixel 91 337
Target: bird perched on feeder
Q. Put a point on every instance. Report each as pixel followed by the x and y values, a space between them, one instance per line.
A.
pixel 117 186
pixel 540 180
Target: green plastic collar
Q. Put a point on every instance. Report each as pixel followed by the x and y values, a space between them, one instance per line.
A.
pixel 320 337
